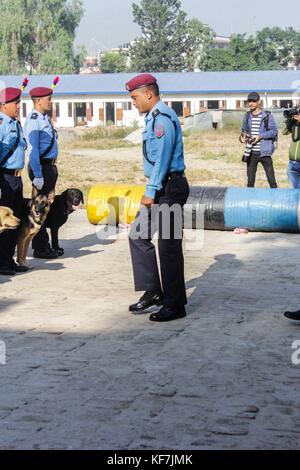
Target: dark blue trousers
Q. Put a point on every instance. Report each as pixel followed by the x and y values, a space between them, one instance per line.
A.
pixel 12 197
pixel 169 229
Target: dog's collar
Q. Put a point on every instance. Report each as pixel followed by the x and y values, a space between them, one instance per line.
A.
pixel 32 219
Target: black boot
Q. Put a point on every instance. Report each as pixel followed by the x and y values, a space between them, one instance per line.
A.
pixel 6 270
pixel 167 314
pixel 147 300
pixel 293 315
pixel 46 254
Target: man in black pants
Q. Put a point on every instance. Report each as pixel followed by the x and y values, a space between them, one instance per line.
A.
pixel 161 207
pixel 261 126
pixel 43 151
pixel 12 160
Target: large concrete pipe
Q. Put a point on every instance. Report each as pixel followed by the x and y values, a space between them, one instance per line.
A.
pixel 256 209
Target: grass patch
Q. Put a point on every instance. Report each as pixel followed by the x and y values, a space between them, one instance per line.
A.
pixel 103 138
pixel 107 133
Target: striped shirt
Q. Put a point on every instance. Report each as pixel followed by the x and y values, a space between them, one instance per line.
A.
pixel 255 128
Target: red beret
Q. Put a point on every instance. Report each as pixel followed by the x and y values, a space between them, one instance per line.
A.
pixel 145 79
pixel 40 92
pixel 7 95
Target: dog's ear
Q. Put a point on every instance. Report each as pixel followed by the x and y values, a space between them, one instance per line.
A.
pixel 51 197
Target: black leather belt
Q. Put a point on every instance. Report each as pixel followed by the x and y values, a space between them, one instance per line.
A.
pixel 48 162
pixel 8 171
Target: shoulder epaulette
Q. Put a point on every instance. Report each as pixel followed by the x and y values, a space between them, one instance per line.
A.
pixel 34 116
pixel 155 113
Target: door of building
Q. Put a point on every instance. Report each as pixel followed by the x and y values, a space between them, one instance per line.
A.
pixel 80 114
pixel 110 113
pixel 178 107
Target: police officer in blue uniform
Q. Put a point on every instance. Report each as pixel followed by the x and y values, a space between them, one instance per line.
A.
pixel 42 145
pixel 12 160
pixel 167 188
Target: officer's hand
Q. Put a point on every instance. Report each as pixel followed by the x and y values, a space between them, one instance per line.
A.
pixel 38 183
pixel 147 201
pixel 297 118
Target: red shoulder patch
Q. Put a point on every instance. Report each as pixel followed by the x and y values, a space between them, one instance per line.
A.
pixel 159 131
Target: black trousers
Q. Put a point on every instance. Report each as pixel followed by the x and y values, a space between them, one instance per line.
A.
pixel 50 174
pixel 267 163
pixel 169 226
pixel 12 197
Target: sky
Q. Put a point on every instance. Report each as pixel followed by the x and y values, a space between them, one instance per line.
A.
pixel 109 23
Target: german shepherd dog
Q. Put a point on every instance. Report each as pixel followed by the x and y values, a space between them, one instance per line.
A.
pixel 34 215
pixel 7 220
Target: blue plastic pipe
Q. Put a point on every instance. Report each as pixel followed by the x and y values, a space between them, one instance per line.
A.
pixel 256 209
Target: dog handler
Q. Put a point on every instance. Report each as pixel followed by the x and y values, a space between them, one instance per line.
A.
pixel 41 139
pixel 167 185
pixel 12 161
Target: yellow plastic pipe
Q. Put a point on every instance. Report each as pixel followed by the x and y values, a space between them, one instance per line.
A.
pixel 111 204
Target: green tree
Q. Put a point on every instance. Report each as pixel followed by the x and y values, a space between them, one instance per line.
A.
pixel 37 36
pixel 113 62
pixel 278 48
pixel 269 49
pixel 169 42
pixel 198 41
pixel 240 55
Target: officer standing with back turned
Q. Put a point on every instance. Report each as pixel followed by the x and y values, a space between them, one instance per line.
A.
pixel 12 161
pixel 41 139
pixel 161 207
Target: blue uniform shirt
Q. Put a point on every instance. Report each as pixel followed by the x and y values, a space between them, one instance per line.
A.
pixel 163 147
pixel 8 137
pixel 38 132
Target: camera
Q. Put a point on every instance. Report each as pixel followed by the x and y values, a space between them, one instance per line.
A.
pixel 248 147
pixel 290 113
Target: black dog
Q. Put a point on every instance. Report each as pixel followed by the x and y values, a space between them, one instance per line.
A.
pixel 63 205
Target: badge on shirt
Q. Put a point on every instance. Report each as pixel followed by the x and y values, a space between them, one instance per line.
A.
pixel 159 131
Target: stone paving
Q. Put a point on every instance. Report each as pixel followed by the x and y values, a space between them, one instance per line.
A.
pixel 81 372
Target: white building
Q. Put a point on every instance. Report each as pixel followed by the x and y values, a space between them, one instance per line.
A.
pixel 99 100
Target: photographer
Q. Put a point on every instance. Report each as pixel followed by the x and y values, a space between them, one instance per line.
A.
pixel 292 126
pixel 259 132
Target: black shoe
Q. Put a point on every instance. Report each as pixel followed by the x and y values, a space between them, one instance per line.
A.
pixel 166 314
pixel 47 254
pixel 147 300
pixel 59 251
pixel 7 271
pixel 20 269
pixel 293 315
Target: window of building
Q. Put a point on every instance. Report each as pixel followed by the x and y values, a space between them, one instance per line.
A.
pixel 127 106
pixel 213 104
pixel 70 110
pixel 57 110
pixel 286 103
pixel 24 110
pixel 241 104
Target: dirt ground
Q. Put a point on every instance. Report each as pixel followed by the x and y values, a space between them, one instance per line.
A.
pixel 81 372
pixel 78 371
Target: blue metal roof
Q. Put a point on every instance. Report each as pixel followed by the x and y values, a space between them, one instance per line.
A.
pixel 170 83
